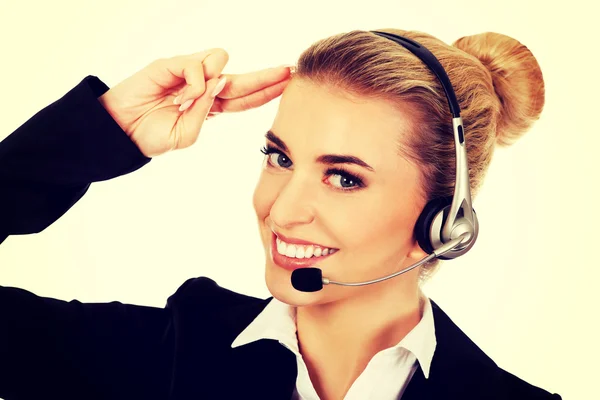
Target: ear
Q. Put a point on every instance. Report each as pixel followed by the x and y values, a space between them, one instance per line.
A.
pixel 416 253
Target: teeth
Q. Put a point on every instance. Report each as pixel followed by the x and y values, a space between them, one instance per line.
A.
pixel 290 250
pixel 300 251
pixel 280 247
pixel 309 251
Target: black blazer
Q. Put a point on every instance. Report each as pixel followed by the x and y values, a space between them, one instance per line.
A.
pixel 69 350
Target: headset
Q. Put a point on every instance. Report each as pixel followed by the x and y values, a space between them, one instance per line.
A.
pixel 447 227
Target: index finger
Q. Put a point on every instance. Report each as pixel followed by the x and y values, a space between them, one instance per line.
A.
pixel 214 61
pixel 241 85
pixel 198 69
pixel 171 72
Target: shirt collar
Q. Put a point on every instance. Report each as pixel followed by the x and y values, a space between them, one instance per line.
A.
pixel 278 322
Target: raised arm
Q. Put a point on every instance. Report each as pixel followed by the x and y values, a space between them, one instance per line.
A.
pixel 58 349
pixel 48 163
pixel 93 133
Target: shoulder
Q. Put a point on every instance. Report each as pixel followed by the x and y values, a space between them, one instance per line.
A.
pixel 514 387
pixel 205 292
pixel 200 303
pixel 461 365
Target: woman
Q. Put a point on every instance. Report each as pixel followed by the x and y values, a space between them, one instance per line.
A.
pixel 355 94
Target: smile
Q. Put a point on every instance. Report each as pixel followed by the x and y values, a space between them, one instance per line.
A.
pixel 297 255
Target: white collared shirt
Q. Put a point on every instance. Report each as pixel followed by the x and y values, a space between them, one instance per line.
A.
pixel 385 377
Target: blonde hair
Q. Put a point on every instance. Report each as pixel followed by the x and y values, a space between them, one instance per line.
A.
pixel 497 81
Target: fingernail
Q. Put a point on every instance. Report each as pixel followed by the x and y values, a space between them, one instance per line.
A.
pixel 220 86
pixel 186 105
pixel 177 99
pixel 292 67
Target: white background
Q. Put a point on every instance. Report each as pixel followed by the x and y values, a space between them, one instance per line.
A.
pixel 526 293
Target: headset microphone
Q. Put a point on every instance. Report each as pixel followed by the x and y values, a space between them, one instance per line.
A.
pixel 447 227
pixel 311 279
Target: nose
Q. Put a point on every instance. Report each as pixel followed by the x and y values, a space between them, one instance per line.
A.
pixel 294 204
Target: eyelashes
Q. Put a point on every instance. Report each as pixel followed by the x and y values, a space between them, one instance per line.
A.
pixel 342 175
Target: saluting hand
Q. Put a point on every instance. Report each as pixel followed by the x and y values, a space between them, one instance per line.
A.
pixel 163 106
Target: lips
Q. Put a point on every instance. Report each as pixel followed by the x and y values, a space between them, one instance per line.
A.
pixel 290 263
pixel 299 241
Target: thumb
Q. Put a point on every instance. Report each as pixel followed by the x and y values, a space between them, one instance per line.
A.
pixel 195 113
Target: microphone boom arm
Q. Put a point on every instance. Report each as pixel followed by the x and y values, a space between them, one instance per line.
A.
pixel 446 247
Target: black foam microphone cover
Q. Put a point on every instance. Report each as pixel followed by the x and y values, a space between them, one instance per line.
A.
pixel 307 279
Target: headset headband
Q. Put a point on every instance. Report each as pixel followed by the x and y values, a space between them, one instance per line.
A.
pixel 461 218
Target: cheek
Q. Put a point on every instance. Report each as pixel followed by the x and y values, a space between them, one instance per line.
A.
pixel 265 194
pixel 377 225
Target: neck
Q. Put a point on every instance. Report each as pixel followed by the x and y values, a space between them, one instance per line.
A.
pixel 338 339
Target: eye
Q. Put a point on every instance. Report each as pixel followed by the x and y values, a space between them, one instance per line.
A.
pixel 339 178
pixel 275 157
pixel 343 180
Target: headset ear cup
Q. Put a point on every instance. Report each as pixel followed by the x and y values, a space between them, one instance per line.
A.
pixel 423 224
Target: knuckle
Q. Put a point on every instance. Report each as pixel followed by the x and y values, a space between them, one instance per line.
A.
pixel 245 103
pixel 265 97
pixel 190 140
pixel 158 62
pixel 225 55
pixel 220 52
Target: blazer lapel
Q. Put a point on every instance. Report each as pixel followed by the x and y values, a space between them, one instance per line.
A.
pixel 418 388
pixel 265 370
pixel 206 367
pixel 459 369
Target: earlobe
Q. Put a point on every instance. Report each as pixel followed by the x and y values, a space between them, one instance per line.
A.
pixel 417 253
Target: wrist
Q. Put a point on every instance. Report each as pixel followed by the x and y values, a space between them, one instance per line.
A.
pixel 108 101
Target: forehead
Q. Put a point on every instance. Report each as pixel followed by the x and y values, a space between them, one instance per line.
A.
pixel 325 120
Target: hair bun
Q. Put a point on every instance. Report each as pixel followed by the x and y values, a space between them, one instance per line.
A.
pixel 517 80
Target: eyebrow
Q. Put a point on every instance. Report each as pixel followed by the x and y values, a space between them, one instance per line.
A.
pixel 323 159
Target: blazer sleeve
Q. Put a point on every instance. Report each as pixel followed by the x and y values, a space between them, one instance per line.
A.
pixel 68 350
pixel 49 162
pixel 54 349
